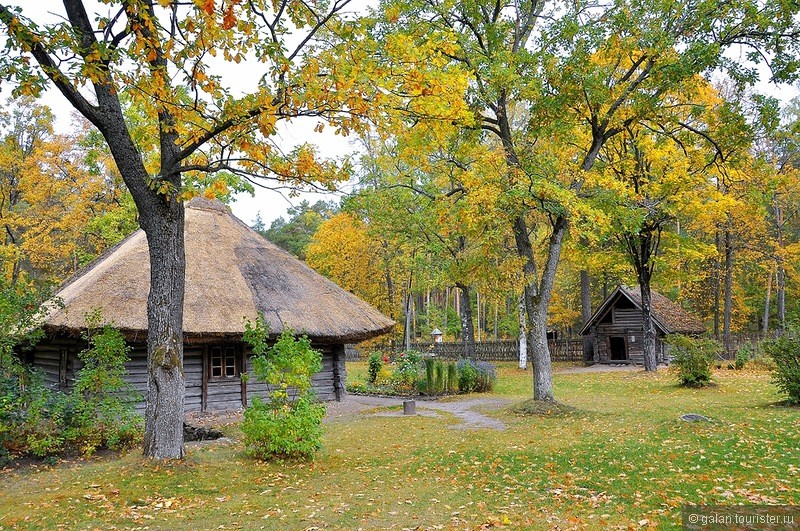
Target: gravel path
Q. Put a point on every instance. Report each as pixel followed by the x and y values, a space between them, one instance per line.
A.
pixel 464 410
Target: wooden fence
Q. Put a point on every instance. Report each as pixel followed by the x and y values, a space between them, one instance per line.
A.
pixel 560 350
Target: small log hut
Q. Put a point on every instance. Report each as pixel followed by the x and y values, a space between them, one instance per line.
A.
pixel 617 327
pixel 232 274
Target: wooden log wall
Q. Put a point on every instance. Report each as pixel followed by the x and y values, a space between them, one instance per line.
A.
pixel 202 393
pixel 322 383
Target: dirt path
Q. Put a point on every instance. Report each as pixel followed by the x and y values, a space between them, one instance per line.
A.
pixel 464 410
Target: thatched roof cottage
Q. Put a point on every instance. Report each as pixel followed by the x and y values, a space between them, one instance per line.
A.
pixel 617 327
pixel 232 274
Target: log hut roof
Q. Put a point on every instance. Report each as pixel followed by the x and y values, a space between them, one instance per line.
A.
pixel 232 274
pixel 668 317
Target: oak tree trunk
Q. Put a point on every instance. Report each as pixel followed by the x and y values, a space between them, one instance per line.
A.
pixel 467 329
pixel 728 308
pixel 768 296
pixel 523 334
pixel 166 383
pixel 650 360
pixel 586 314
pixel 538 293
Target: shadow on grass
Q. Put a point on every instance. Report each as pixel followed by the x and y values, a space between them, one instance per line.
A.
pixel 540 408
pixel 780 404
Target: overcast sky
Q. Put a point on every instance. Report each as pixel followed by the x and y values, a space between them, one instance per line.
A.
pixel 270 204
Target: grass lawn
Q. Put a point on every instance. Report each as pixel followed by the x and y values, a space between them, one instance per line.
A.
pixel 622 458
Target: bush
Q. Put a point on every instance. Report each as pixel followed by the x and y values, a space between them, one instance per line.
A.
pixel 375 364
pixel 430 385
pixel 762 362
pixel 289 424
pixel 785 351
pixel 384 377
pixel 693 358
pixel 452 377
pixel 99 412
pixel 475 377
pixel 743 355
pixel 439 382
pixel 102 409
pixel 406 374
pixel 292 432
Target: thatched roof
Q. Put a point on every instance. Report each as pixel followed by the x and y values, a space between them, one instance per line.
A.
pixel 669 318
pixel 232 273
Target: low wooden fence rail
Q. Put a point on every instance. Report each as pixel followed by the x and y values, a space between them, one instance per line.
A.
pixel 560 350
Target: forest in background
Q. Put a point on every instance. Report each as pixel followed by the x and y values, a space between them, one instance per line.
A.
pixel 494 159
pixel 417 246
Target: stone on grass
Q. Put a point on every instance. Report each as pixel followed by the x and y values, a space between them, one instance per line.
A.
pixel 694 417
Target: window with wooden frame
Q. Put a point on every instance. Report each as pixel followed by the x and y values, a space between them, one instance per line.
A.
pixel 223 362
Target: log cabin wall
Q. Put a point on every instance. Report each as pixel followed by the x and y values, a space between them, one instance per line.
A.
pixel 322 383
pixel 624 325
pixel 58 360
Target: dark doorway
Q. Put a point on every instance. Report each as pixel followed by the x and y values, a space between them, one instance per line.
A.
pixel 618 348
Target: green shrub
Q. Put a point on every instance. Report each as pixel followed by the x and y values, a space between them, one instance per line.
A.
pixel 475 377
pixel 290 432
pixel 743 355
pixel 430 387
pixel 693 359
pixel 439 382
pixel 374 367
pixel 452 377
pixel 785 351
pixel 99 412
pixel 289 424
pixel 406 373
pixel 102 407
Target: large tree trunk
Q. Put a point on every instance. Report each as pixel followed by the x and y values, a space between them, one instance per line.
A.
pixel 642 248
pixel 540 354
pixel 650 360
pixel 780 275
pixel 538 293
pixel 166 384
pixel 523 334
pixel 586 314
pixel 768 296
pixel 728 308
pixel 717 291
pixel 467 329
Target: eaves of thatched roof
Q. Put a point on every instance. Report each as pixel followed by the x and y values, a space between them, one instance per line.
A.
pixel 232 274
pixel 668 317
